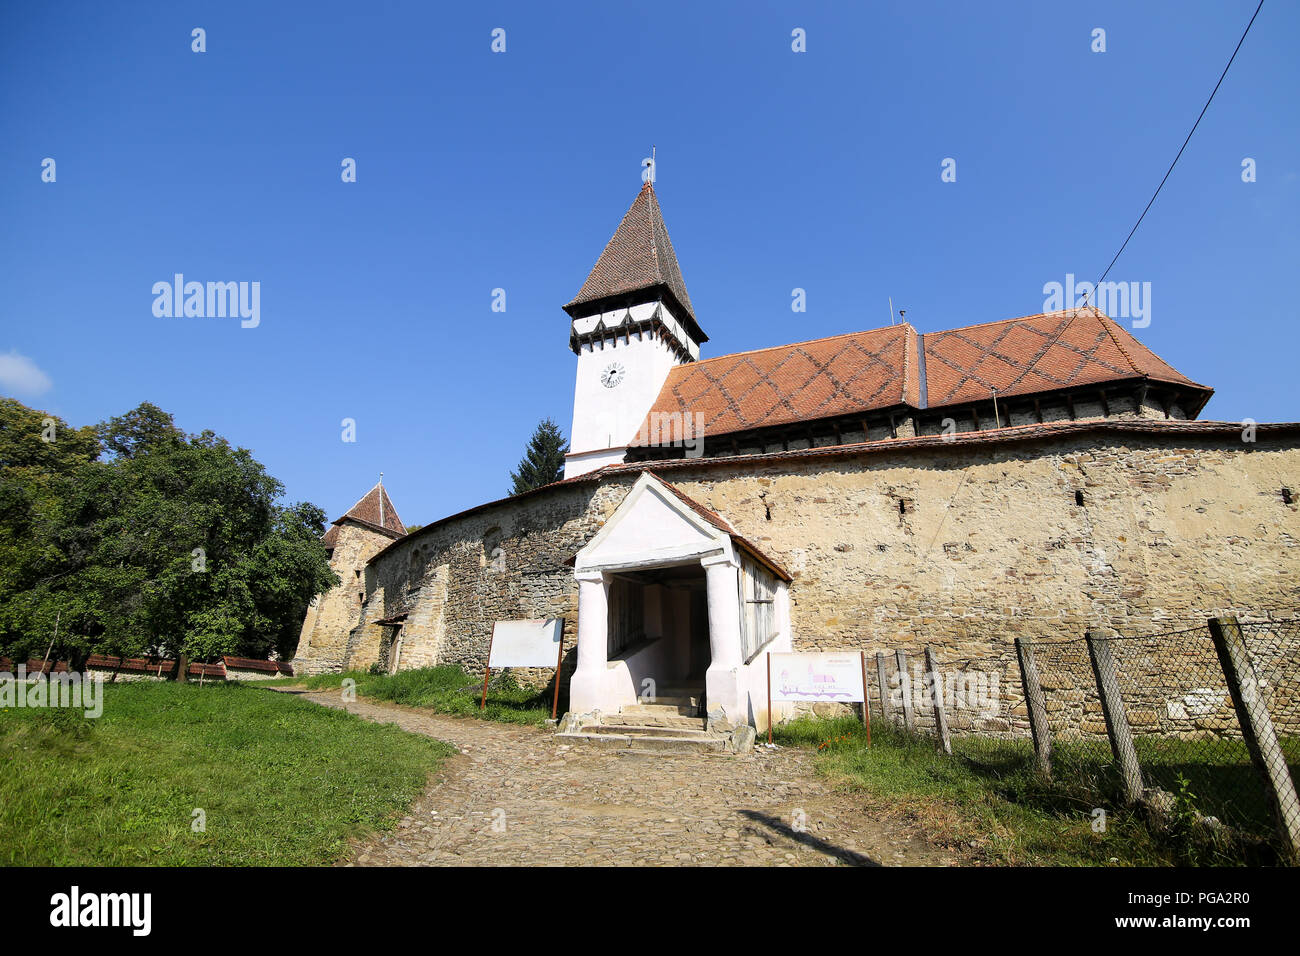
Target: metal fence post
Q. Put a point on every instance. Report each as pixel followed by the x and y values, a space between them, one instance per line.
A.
pixel 1112 706
pixel 886 709
pixel 905 686
pixel 1257 726
pixel 936 692
pixel 1036 704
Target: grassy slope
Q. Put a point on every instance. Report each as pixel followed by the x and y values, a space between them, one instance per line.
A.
pixel 447 690
pixel 998 804
pixel 283 781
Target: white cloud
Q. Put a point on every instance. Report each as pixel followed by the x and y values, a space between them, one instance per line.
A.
pixel 21 376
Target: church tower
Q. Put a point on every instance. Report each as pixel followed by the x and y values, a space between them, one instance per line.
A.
pixel 369 526
pixel 632 322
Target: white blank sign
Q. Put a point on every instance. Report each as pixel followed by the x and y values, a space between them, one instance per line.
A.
pixel 534 643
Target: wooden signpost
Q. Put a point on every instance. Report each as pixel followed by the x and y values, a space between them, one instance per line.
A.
pixel 530 643
pixel 866 699
pixel 821 677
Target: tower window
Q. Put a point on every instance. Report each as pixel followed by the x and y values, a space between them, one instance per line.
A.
pixel 1078 498
pixel 1287 497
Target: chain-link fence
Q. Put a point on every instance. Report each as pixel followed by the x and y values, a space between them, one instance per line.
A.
pixel 1190 747
pixel 982 701
pixel 1154 720
pixel 1274 649
pixel 1272 652
pixel 1081 755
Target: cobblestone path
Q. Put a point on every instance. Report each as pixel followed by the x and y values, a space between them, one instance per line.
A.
pixel 517 796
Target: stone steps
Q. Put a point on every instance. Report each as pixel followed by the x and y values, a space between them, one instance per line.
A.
pixel 643 730
pixel 703 743
pixel 674 720
pixel 663 708
pixel 670 725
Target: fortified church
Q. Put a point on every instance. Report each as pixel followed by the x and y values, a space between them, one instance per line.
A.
pixel 875 490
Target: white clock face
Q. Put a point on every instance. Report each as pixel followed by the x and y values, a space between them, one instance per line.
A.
pixel 612 375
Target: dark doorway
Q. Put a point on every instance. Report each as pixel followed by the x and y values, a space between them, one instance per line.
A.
pixel 662 604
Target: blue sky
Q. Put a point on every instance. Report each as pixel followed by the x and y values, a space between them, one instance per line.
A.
pixel 478 170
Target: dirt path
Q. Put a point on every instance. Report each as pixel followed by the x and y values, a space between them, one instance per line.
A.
pixel 518 796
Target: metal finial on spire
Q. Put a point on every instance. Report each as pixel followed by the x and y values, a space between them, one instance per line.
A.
pixel 381 500
pixel 648 166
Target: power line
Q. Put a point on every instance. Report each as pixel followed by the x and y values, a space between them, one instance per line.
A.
pixel 1184 146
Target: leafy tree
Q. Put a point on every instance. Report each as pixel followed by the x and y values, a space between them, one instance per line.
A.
pixel 543 460
pixel 40 459
pixel 142 539
pixel 143 429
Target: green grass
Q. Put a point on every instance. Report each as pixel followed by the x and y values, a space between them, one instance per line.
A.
pixel 988 794
pixel 282 781
pixel 447 690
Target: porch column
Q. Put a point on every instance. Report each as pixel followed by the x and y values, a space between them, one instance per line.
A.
pixel 722 679
pixel 587 687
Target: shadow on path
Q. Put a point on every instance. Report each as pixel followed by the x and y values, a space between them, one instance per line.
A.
pixel 849 857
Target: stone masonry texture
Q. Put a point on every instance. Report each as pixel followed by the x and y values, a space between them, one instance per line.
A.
pixel 960 547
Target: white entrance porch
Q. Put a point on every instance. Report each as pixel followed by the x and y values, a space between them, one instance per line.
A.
pixel 672 600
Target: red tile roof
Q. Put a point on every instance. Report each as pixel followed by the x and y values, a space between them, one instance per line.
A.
pixel 35 666
pixel 1037 353
pixel 638 256
pixel 375 511
pixel 136 664
pixel 253 664
pixel 829 377
pixel 866 371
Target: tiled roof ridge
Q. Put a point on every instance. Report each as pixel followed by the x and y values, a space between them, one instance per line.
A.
pixel 908 344
pixel 1017 318
pixel 794 345
pixel 655 213
pixel 1101 318
pixel 381 508
pixel 1106 323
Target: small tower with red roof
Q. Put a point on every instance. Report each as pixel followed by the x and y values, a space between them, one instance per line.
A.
pixel 351 541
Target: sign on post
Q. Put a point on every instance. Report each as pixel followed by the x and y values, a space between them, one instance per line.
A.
pixel 829 675
pixel 839 676
pixel 536 642
pixel 525 643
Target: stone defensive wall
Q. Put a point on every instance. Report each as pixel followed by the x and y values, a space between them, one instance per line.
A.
pixel 960 543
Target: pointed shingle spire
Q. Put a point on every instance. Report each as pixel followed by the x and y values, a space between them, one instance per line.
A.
pixel 639 258
pixel 375 511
